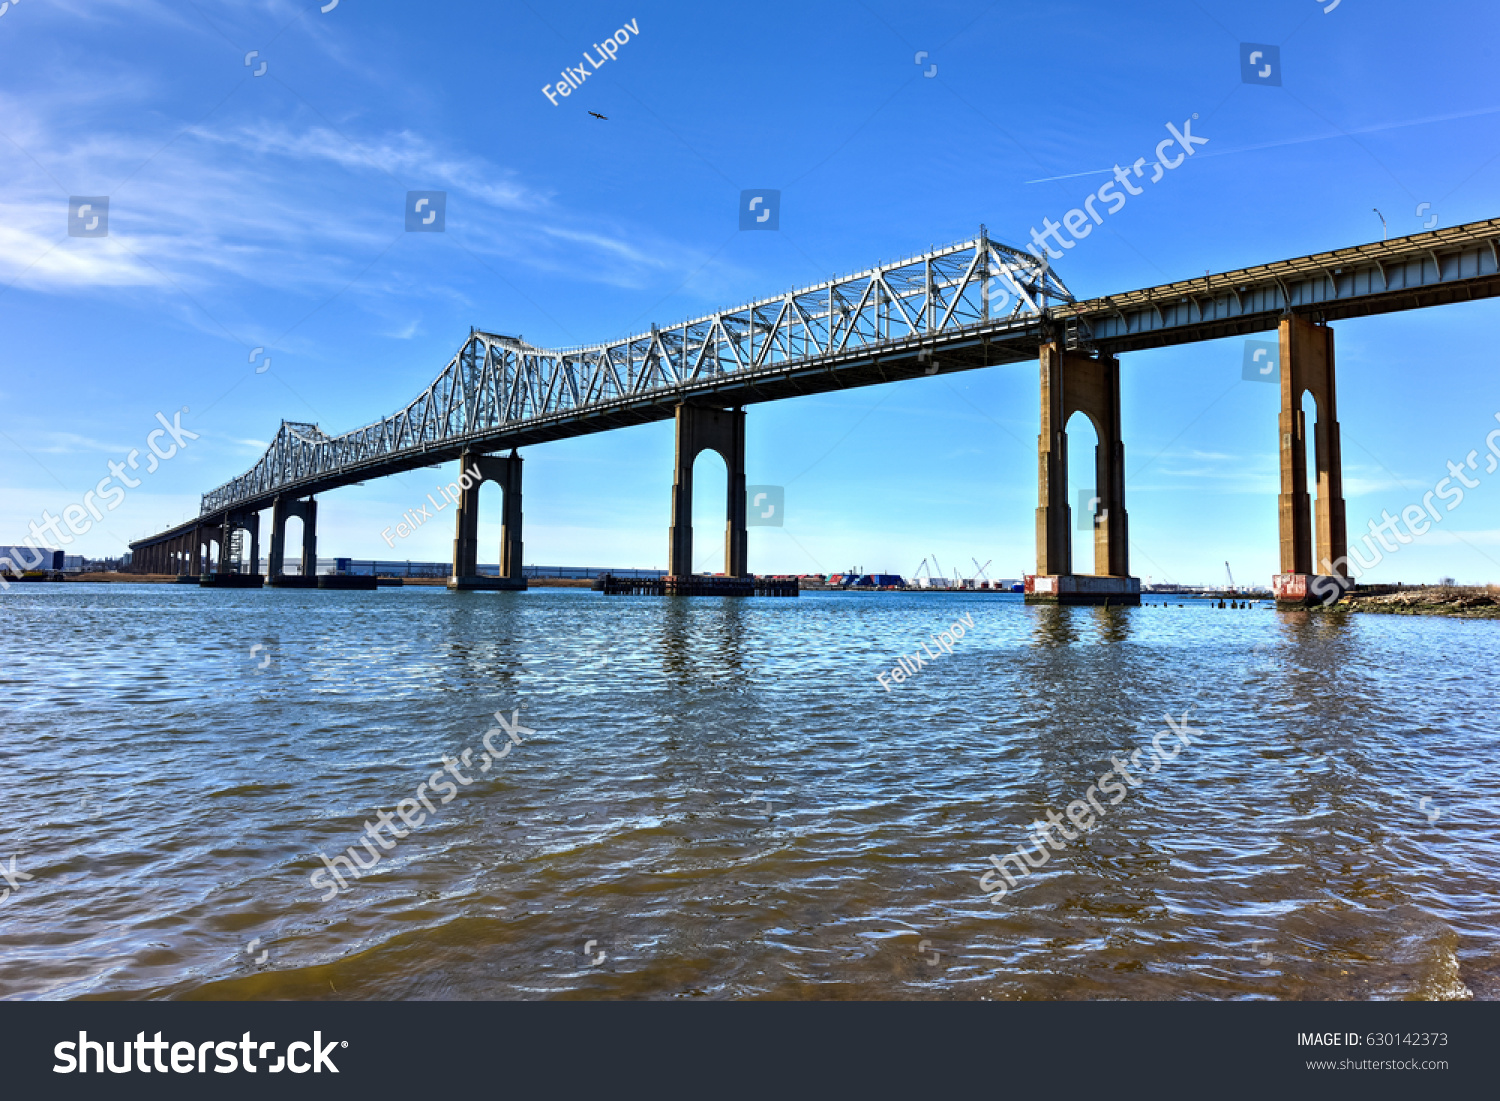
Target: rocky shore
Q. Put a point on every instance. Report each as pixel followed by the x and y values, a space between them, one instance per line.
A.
pixel 1476 602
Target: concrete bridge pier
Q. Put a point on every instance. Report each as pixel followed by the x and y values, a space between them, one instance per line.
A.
pixel 207 537
pixel 474 471
pixel 282 510
pixel 225 577
pixel 1075 383
pixel 709 428
pixel 188 549
pixel 1307 368
pixel 240 522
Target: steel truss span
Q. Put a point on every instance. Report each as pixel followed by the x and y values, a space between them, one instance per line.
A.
pixel 500 391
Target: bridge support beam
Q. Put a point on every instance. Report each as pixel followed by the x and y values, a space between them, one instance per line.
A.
pixel 707 428
pixel 188 555
pixel 1073 383
pixel 226 576
pixel 1310 573
pixel 474 471
pixel 207 536
pixel 251 523
pixel 282 510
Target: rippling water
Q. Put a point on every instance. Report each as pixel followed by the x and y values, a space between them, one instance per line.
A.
pixel 721 796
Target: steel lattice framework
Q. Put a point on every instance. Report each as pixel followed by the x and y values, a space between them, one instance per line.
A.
pixel 496 387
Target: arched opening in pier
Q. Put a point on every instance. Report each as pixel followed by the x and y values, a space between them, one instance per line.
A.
pixel 1083 445
pixel 491 522
pixel 1309 406
pixel 292 563
pixel 710 492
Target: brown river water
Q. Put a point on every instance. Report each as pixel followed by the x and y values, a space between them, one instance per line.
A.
pixel 719 799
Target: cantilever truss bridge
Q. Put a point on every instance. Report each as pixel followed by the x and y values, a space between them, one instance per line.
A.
pixel 972 304
pixel 499 391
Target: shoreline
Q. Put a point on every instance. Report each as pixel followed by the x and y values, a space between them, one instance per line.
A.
pixel 1469 602
pixel 171 579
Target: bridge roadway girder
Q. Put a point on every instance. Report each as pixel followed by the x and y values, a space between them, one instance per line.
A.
pixel 1459 263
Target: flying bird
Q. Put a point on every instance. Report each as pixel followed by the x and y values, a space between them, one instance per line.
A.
pixel 597 115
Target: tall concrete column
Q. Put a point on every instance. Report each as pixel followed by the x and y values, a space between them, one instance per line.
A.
pixel 309 511
pixel 1081 384
pixel 466 527
pixel 511 546
pixel 276 562
pixel 474 471
pixel 1054 516
pixel 1307 367
pixel 250 522
pixel 1111 522
pixel 736 535
pixel 707 428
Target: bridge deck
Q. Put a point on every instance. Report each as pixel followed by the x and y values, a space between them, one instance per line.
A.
pixel 970 305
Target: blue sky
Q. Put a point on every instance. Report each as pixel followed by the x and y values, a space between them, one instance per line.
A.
pixel 266 213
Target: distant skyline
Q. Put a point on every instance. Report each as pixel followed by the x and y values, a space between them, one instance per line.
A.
pixel 248 165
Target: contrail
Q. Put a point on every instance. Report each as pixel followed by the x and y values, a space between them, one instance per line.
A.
pixel 1296 141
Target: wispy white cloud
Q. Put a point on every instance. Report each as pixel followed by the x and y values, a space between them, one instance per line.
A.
pixel 404 332
pixel 70 443
pixel 298 208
